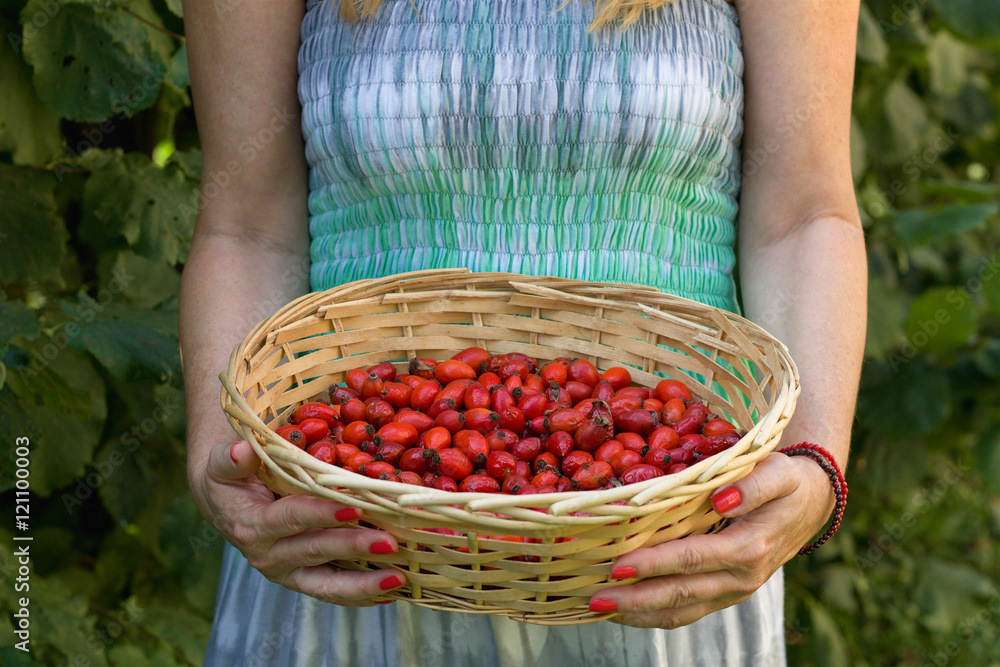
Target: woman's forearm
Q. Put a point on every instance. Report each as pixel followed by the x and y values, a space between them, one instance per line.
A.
pixel 808 288
pixel 229 284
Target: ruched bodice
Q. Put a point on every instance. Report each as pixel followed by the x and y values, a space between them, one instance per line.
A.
pixel 502 136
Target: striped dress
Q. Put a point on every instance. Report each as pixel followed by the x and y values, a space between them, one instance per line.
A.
pixel 501 135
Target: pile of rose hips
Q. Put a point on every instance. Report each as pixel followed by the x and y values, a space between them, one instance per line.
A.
pixel 500 424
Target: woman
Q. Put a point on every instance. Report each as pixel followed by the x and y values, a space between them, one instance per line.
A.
pixel 501 135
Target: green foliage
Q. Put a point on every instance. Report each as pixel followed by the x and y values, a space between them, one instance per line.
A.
pixel 98 179
pixel 920 537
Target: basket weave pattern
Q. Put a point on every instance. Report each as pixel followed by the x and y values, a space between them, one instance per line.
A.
pixel 312 342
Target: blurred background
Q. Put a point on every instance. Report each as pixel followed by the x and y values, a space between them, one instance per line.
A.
pixel 99 170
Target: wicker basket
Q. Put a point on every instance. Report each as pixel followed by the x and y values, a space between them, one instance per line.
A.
pixel 737 368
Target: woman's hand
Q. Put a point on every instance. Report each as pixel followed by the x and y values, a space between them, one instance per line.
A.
pixel 291 539
pixel 785 502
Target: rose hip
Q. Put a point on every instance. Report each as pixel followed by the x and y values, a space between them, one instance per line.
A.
pixel 452 463
pixel 624 460
pixel 667 389
pixel 526 449
pixel 693 419
pixel 479 483
pixel 423 395
pixel 592 475
pixel 436 438
pixel 617 377
pixel 500 464
pixel 641 473
pixel 481 419
pixel 473 444
pixel 324 451
pixel 641 422
pixel 559 443
pixel 512 483
pixel 404 434
pixel 451 419
pixel 501 439
pixel 472 356
pixel 663 437
pixel 396 394
pixel 574 460
pixel 417 420
pixel 545 460
pixel 717 426
pixel 314 430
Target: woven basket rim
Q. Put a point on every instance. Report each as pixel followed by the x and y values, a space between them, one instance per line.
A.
pixel 559 503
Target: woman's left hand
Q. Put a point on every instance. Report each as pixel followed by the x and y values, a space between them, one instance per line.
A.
pixel 785 502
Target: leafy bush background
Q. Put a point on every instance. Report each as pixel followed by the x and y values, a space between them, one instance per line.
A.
pixel 99 166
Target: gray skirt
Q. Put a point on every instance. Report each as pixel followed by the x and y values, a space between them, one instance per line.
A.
pixel 259 623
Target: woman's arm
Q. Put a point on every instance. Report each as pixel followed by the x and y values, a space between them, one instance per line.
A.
pixel 250 256
pixel 803 272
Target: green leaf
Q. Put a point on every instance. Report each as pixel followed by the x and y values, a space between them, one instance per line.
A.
pixel 977 19
pixel 871 43
pixel 179 77
pixel 179 628
pixel 129 196
pixel 920 226
pixel 902 396
pixel 29 130
pixel 175 7
pixel 906 115
pixel 131 343
pixel 859 150
pixel 32 235
pixel 128 475
pixel 893 465
pixel 58 617
pixel 14 424
pixel 941 320
pixel 65 437
pixel 886 317
pixel 947 593
pixel 93 60
pixel 826 641
pixel 189 162
pixel 145 283
pixel 16 319
pixel 988 457
pixel 192 552
pixel 947 60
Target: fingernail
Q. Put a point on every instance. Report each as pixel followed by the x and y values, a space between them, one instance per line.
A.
pixel 623 573
pixel 347 514
pixel 727 499
pixel 391 582
pixel 603 606
pixel 384 601
pixel 382 548
pixel 232 450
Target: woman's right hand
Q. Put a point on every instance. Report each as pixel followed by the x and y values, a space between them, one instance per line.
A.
pixel 290 540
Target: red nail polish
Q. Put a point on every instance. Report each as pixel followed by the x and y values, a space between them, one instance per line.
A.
pixel 382 548
pixel 384 601
pixel 727 499
pixel 391 582
pixel 603 606
pixel 623 573
pixel 347 514
pixel 232 449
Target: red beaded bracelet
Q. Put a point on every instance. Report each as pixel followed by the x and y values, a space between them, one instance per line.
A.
pixel 829 465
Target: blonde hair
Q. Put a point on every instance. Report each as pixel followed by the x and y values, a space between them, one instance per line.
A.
pixel 622 12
